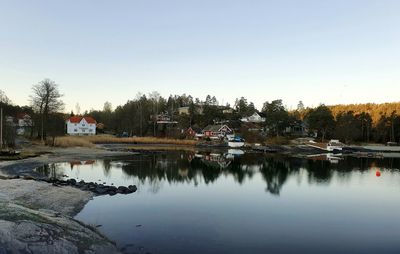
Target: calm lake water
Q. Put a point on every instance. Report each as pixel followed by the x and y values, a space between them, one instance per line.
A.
pixel 218 203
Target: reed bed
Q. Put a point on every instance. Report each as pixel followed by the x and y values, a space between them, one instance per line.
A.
pixel 108 139
pixel 70 141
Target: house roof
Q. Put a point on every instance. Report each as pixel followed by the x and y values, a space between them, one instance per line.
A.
pixel 195 129
pixel 22 115
pixel 78 119
pixel 75 119
pixel 215 127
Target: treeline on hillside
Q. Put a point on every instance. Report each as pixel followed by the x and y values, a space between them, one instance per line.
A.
pixel 138 117
pixel 375 111
pixel 349 123
pixel 350 126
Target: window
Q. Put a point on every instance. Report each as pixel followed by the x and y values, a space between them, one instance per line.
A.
pixel 75 130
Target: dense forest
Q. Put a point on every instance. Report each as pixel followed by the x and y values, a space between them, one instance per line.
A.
pixel 349 123
pixel 138 117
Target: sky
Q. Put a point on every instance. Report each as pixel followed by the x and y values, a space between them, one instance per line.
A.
pixel 331 51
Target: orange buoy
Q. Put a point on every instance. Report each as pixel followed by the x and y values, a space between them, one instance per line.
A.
pixel 378 173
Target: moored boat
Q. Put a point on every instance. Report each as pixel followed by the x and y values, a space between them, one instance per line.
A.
pixel 334 145
pixel 236 142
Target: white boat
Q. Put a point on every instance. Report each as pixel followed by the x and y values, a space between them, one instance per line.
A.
pixel 235 151
pixel 236 142
pixel 334 158
pixel 334 145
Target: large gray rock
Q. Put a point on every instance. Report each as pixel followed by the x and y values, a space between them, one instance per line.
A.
pixel 23 230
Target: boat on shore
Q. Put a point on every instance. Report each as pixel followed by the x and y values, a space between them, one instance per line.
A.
pixel 334 146
pixel 236 142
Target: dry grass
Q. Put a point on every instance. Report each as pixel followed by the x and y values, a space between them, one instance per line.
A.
pixel 69 141
pixel 108 139
pixel 278 141
pixel 90 141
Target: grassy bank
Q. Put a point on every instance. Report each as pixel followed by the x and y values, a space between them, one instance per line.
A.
pixel 90 141
pixel 69 141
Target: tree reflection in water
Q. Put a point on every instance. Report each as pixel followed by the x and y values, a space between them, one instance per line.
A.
pixel 154 169
pixel 175 167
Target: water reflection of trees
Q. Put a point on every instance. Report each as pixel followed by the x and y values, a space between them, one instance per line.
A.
pixel 154 169
pixel 175 167
pixel 51 170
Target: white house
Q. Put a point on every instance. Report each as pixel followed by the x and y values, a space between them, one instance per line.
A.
pixel 183 111
pixel 82 126
pixel 24 123
pixel 255 118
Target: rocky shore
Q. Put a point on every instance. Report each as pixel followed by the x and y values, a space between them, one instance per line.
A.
pixel 36 217
pixel 36 214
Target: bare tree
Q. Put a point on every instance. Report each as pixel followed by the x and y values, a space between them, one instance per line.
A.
pixel 45 100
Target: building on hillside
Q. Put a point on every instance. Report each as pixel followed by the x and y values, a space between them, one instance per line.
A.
pixel 217 131
pixel 227 111
pixel 254 118
pixel 10 121
pixel 163 118
pixel 81 126
pixel 194 132
pixel 24 124
pixel 297 128
pixel 183 111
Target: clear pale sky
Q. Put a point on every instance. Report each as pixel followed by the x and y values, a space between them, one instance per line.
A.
pixel 330 51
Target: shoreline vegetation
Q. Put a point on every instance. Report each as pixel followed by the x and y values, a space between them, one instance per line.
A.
pixel 91 141
pixel 151 116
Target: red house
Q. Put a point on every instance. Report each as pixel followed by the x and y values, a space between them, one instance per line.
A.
pixel 217 131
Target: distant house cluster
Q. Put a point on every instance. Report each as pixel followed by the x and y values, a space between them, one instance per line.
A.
pixel 81 126
pixel 22 123
pixel 254 124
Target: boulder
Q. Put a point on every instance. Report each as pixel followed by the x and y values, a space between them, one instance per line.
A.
pixel 133 188
pixel 122 189
pixel 72 182
pixel 100 190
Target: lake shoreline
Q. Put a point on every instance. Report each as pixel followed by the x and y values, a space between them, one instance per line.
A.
pixel 42 206
pixel 66 201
